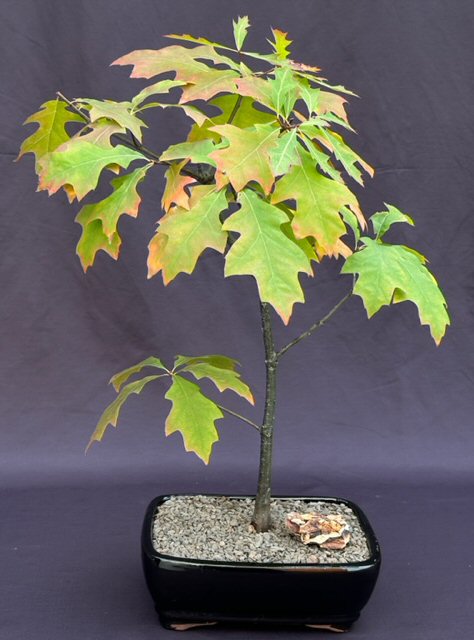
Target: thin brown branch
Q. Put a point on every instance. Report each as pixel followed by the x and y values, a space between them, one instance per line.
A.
pixel 315 326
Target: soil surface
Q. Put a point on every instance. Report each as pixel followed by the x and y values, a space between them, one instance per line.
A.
pixel 217 528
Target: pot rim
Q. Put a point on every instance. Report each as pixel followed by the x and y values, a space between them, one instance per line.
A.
pixel 372 561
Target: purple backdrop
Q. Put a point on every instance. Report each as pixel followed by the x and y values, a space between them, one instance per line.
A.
pixel 372 410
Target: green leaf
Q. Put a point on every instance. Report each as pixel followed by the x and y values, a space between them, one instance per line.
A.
pixel 157 88
pixel 92 240
pixel 393 273
pixel 383 220
pixel 347 156
pixel 197 152
pixel 51 133
pixel 246 116
pixel 99 133
pixel 280 44
pixel 247 156
pixel 241 26
pixel 206 85
pixel 80 165
pixel 256 88
pixel 220 370
pixel 123 200
pixel 266 253
pixel 322 159
pixel 285 153
pixel 112 412
pixel 119 112
pixel 319 201
pixel 183 235
pixel 284 91
pixel 309 95
pixel 351 221
pixel 194 416
pixel 174 192
pixel 119 379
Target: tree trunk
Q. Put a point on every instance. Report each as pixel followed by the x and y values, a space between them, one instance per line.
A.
pixel 261 515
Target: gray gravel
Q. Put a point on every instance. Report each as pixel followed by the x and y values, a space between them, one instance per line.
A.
pixel 217 528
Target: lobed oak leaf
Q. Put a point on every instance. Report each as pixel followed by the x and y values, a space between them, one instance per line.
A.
pixel 98 133
pixel 347 156
pixel 245 116
pixel 219 369
pixel 183 235
pixel 208 83
pixel 124 199
pixel 319 201
pixel 194 415
pixel 383 220
pixel 111 414
pixel 240 26
pixel 280 44
pixel 119 112
pixel 247 156
pixel 80 164
pixel 285 153
pixel 265 252
pixel 157 88
pixel 197 152
pixel 52 119
pixel 119 379
pixel 394 273
pixel 174 192
pixel 256 88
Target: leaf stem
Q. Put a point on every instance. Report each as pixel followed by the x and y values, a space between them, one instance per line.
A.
pixel 315 326
pixel 237 415
pixel 237 104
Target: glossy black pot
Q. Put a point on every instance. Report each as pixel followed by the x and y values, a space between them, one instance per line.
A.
pixel 189 592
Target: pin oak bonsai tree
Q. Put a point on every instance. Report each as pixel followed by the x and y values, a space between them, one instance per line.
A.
pixel 263 178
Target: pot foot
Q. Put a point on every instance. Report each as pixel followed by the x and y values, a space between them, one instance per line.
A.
pixel 184 626
pixel 336 628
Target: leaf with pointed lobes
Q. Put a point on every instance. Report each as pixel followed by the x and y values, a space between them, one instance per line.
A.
pixel 99 133
pixel 220 370
pixel 256 88
pixel 174 192
pixel 247 156
pixel 80 164
pixel 51 133
pixel 383 220
pixel 280 44
pixel 124 199
pixel 119 112
pixel 111 414
pixel 197 152
pixel 241 26
pixel 183 235
pixel 284 91
pixel 92 240
pixel 395 273
pixel 157 88
pixel 184 61
pixel 285 153
pixel 346 156
pixel 245 116
pixel 332 103
pixel 194 415
pixel 209 84
pixel 265 252
pixel 319 201
pixel 120 378
pixel 309 95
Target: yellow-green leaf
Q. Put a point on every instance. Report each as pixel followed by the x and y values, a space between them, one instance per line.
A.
pixel 111 414
pixel 383 220
pixel 119 379
pixel 51 133
pixel 157 88
pixel 285 153
pixel 280 44
pixel 218 371
pixel 241 26
pixel 247 156
pixel 194 416
pixel 80 165
pixel 119 112
pixel 394 273
pixel 174 192
pixel 319 201
pixel 92 240
pixel 265 252
pixel 197 152
pixel 183 235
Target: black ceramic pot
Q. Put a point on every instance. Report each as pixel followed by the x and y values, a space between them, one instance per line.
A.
pixel 189 592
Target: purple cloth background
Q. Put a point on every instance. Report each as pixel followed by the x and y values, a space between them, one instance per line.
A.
pixel 369 410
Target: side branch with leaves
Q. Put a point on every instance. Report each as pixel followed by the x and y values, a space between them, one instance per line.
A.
pixel 261 178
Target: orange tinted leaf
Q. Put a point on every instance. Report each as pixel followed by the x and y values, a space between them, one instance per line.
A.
pixel 175 187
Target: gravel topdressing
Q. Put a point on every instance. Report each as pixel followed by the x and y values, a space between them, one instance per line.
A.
pixel 217 528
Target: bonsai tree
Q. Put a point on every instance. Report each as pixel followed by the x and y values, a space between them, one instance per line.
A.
pixel 260 178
